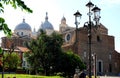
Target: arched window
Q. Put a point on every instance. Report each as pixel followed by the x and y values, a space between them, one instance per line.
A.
pixel 110 67
pixel 100 66
pixel 21 33
pixel 98 38
pixel 17 33
pixel 85 54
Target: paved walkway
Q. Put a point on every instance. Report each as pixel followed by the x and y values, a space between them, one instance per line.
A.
pixel 109 76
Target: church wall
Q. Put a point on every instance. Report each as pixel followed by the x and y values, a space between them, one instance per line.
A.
pixel 102 45
pixel 116 61
pixel 12 42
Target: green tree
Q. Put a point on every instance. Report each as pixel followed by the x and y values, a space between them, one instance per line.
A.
pixel 11 61
pixel 44 51
pixel 68 62
pixel 54 49
pixel 37 56
pixel 3 25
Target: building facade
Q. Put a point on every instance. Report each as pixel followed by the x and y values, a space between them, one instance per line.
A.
pixel 102 44
pixel 108 60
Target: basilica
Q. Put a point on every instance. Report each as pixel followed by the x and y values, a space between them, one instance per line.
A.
pixel 103 45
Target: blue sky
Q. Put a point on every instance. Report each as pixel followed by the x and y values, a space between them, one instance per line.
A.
pixel 110 14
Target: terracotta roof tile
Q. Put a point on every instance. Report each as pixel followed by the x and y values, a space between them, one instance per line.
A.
pixel 23 49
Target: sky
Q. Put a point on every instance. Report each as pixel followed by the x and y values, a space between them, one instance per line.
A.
pixel 110 14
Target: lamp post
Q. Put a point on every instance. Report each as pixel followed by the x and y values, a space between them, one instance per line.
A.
pixel 89 25
pixel 95 67
pixel 77 22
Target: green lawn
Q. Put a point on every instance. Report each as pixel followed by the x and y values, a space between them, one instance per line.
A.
pixel 27 76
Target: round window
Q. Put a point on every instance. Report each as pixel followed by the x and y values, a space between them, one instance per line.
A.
pixel 67 37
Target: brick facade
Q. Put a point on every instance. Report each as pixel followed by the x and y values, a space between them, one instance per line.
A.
pixel 108 60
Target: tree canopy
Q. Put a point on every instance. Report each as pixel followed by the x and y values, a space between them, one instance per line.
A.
pixel 11 61
pixel 47 54
pixel 44 50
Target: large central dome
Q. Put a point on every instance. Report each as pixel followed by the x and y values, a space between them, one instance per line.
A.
pixel 23 29
pixel 23 26
pixel 46 25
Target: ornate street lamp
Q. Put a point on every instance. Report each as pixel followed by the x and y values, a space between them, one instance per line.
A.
pixel 97 17
pixel 88 25
pixel 77 18
pixel 77 22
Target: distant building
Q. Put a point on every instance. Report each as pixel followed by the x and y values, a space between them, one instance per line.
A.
pixel 22 34
pixel 108 60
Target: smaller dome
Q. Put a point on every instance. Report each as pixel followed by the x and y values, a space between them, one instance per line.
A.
pixel 46 24
pixel 23 26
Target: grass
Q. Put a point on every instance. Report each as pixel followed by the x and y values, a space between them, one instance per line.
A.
pixel 26 76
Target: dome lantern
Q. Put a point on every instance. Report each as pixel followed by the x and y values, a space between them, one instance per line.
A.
pixel 46 18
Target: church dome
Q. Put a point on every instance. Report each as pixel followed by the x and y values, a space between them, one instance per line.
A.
pixel 23 26
pixel 46 24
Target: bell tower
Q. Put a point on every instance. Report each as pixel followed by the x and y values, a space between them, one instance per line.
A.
pixel 63 25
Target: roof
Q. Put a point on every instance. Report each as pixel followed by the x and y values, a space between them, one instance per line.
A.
pixel 17 49
pixel 22 49
pixel 103 27
pixel 23 26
